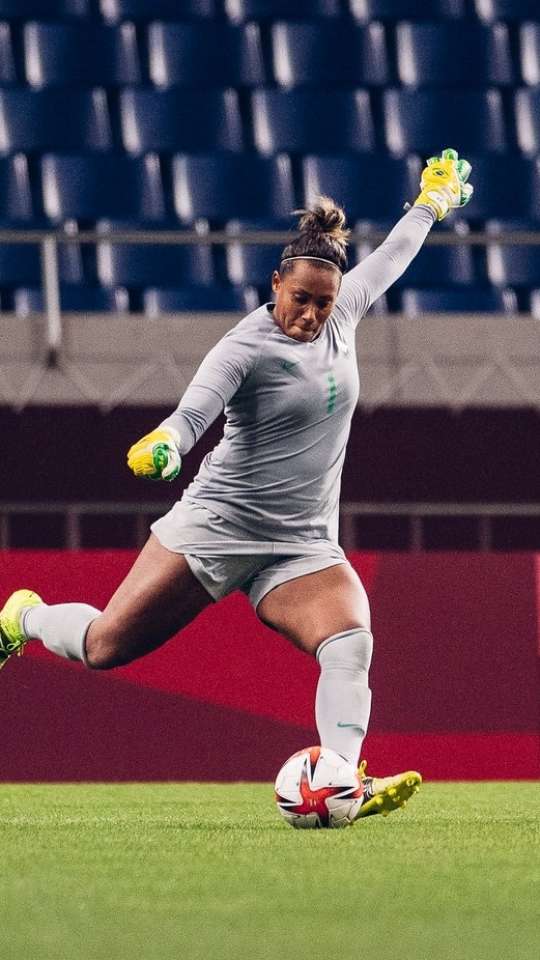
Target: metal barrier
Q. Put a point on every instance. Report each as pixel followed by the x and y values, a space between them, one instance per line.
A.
pixel 140 513
pixel 49 240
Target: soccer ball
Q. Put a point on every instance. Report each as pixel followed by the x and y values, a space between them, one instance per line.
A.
pixel 318 788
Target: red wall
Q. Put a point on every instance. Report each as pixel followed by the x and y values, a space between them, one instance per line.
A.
pixel 455 676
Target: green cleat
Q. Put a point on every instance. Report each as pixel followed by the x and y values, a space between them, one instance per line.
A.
pixel 385 794
pixel 12 638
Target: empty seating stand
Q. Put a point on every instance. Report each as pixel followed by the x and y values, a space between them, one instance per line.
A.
pixel 171 121
pixel 34 121
pixel 145 10
pixel 341 55
pixel 263 10
pixel 80 54
pixel 394 10
pixel 312 121
pixel 205 54
pixel 426 55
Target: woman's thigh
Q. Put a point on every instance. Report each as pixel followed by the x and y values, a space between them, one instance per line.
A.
pixel 158 597
pixel 317 605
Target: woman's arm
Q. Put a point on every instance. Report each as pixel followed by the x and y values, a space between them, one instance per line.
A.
pixel 366 282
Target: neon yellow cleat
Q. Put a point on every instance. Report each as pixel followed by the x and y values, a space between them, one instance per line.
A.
pixel 385 794
pixel 12 638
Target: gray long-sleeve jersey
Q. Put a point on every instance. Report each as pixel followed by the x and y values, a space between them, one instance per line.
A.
pixel 288 406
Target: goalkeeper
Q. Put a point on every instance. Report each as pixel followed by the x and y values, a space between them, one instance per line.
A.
pixel 262 513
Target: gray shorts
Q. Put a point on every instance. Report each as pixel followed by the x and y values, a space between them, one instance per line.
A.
pixel 224 559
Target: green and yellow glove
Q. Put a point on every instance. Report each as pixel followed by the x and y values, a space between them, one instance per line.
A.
pixel 444 183
pixel 156 455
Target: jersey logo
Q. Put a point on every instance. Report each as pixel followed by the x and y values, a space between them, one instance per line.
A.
pixel 288 365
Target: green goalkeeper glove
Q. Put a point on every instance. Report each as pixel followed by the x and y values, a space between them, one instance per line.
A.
pixel 156 455
pixel 444 184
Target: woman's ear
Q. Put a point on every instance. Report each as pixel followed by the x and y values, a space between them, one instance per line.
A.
pixel 276 281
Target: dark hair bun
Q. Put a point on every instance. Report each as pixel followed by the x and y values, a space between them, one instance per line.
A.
pixel 324 217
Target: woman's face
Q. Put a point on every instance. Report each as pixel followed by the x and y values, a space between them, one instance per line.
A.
pixel 305 298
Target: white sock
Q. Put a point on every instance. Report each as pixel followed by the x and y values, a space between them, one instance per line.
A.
pixel 61 628
pixel 343 700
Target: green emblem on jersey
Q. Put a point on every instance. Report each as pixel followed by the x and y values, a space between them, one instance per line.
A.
pixel 288 365
pixel 332 393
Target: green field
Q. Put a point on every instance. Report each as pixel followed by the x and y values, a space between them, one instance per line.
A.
pixel 163 871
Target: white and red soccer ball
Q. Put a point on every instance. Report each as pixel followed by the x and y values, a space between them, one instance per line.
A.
pixel 316 788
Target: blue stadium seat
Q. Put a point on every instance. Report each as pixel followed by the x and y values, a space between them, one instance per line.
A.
pixel 527 114
pixel 490 10
pixel 92 188
pixel 515 265
pixel 55 119
pixel 138 266
pixel 529 49
pixel 227 187
pixel 78 299
pixel 371 188
pixel 205 55
pixel 197 299
pixel 469 299
pixel 440 266
pixel 43 9
pixel 252 265
pixel 178 120
pixel 535 304
pixel 427 120
pixel 495 194
pixel 144 10
pixel 16 207
pixel 426 55
pixel 366 10
pixel 240 10
pixel 304 54
pixel 80 54
pixel 20 265
pixel 312 121
pixel 7 61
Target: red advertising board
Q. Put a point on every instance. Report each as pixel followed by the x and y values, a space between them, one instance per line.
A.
pixel 455 679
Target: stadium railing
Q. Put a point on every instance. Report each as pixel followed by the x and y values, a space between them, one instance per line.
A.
pixel 416 516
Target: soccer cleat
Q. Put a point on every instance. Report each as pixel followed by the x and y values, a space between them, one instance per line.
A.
pixel 385 794
pixel 12 638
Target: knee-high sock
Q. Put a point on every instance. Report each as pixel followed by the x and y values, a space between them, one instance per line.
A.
pixel 343 700
pixel 61 628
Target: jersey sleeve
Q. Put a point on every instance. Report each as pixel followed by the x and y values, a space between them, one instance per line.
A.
pixel 219 376
pixel 366 282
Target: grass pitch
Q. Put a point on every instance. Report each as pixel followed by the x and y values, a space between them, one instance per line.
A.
pixel 193 871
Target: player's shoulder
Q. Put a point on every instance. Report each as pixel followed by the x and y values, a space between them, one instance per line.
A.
pixel 254 328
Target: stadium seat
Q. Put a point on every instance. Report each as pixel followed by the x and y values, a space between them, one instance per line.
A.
pixel 366 10
pixel 527 114
pixel 228 187
pixel 178 120
pixel 466 300
pixel 80 54
pixel 16 207
pixel 92 188
pixel 205 55
pixel 241 10
pixel 138 266
pixel 43 9
pixel 7 60
pixel 427 120
pixel 252 265
pixel 515 265
pixel 305 55
pixel 503 201
pixel 312 121
pixel 55 119
pixel 491 10
pixel 440 266
pixel 78 299
pixel 371 188
pixel 426 55
pixel 197 299
pixel 529 49
pixel 144 10
pixel 535 304
pixel 20 265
